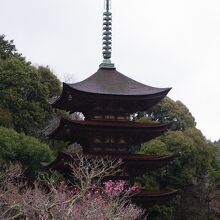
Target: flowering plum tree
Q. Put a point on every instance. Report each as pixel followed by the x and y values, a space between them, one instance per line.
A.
pixel 87 199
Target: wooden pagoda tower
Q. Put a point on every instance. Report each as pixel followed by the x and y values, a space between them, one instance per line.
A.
pixel 107 99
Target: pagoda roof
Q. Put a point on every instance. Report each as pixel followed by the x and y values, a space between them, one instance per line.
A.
pixel 113 123
pixel 134 164
pixel 148 198
pixel 108 84
pixel 111 82
pixel 80 131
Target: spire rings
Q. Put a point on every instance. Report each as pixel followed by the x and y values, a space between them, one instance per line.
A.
pixel 107 35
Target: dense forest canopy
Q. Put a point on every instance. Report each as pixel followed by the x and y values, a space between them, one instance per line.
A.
pixel 25 90
pixel 195 167
pixel 24 108
pixel 29 151
pixel 24 112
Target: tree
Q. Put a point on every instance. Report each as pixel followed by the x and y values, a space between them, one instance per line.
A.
pixel 6 119
pixel 49 81
pixel 29 151
pixel 169 110
pixel 154 147
pixel 7 48
pixel 194 167
pixel 25 91
pixel 87 199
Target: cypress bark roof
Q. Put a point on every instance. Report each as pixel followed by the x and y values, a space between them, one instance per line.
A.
pixel 147 198
pixel 108 86
pixel 78 130
pixel 112 82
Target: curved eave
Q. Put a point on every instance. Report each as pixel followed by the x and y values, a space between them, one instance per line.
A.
pixel 157 92
pixel 56 130
pixel 58 101
pixel 149 198
pixel 65 103
pixel 60 133
pixel 134 162
pixel 137 164
pixel 111 82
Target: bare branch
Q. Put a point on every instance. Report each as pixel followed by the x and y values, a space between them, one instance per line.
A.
pixel 87 199
pixel 86 170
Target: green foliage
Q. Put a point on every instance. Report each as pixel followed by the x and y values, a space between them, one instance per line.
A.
pixel 154 147
pixel 171 111
pixel 6 119
pixel 194 167
pixel 29 151
pixel 25 91
pixel 217 155
pixel 49 81
pixel 215 165
pixel 193 157
pixel 147 120
pixel 167 211
pixel 7 48
pixel 58 146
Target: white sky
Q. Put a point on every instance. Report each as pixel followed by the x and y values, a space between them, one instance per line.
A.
pixel 160 43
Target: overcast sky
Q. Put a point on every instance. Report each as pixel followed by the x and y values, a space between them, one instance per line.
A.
pixel 172 43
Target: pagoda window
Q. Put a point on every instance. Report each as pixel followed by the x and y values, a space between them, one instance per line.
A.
pixel 97 140
pixel 122 141
pixel 107 140
pixel 112 117
pixel 121 118
pixel 127 118
pixel 97 117
pixel 112 140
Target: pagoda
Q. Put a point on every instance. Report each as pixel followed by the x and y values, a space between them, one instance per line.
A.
pixel 107 99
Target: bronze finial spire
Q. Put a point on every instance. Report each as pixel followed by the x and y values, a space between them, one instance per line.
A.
pixel 107 36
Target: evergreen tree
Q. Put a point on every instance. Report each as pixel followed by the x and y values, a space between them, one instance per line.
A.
pixel 194 169
pixel 25 91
